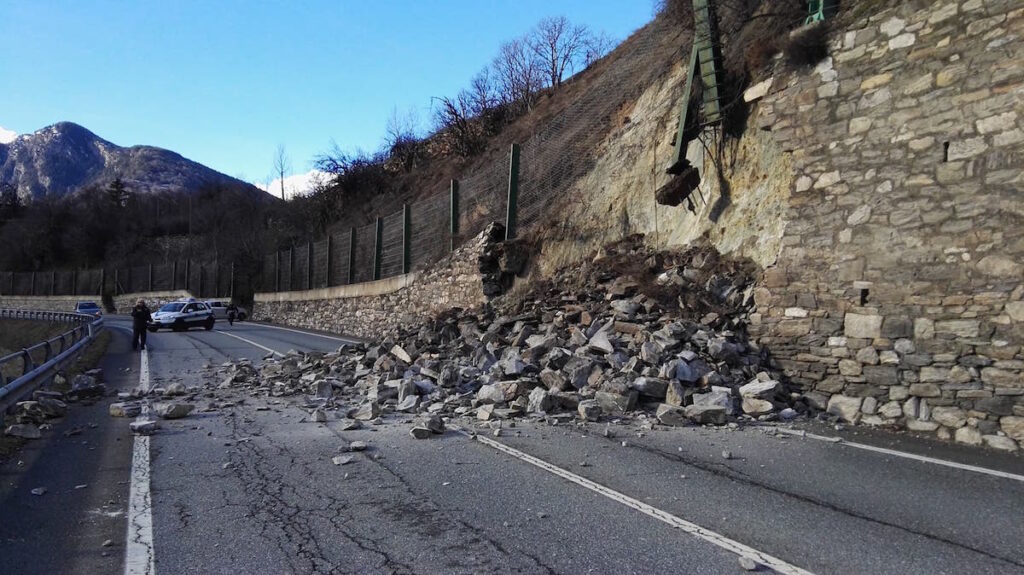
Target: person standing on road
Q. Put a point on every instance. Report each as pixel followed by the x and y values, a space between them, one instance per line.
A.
pixel 232 313
pixel 140 320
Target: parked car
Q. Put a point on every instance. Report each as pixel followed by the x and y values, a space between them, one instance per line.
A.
pixel 182 315
pixel 89 308
pixel 220 310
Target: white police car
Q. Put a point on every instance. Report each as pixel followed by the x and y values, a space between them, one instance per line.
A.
pixel 182 315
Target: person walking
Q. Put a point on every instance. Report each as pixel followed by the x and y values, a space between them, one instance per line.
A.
pixel 140 321
pixel 232 313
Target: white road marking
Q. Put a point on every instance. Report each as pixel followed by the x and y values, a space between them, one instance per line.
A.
pixel 903 454
pixel 713 537
pixel 251 342
pixel 139 557
pixel 341 339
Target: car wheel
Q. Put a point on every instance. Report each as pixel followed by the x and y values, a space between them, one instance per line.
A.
pixel 209 324
pixel 152 329
pixel 179 326
pixel 241 317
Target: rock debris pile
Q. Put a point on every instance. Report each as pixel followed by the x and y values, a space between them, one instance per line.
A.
pixel 631 333
pixel 30 417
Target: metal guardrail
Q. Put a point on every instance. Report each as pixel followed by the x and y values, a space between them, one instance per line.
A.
pixel 57 353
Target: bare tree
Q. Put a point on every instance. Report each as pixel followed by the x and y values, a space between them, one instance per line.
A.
pixel 558 46
pixel 282 165
pixel 596 46
pixel 519 73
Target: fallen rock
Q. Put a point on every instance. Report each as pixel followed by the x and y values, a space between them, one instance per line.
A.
pixel 176 388
pixel 367 411
pixel 124 409
pixel 706 414
pixel 357 446
pixel 754 406
pixel 758 389
pixel 172 410
pixel 38 491
pixel 144 427
pixel 342 459
pixel 24 431
pixel 589 410
pixel 672 415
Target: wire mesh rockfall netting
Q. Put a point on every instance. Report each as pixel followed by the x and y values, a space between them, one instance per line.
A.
pixel 483 198
pixel 300 271
pixel 429 229
pixel 341 258
pixel 320 263
pixel 565 148
pixel 366 238
pixel 392 251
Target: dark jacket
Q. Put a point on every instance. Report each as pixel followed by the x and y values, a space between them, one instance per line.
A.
pixel 140 317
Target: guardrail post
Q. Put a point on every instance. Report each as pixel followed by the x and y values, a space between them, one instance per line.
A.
pixel 511 213
pixel 453 212
pixel 351 256
pixel 378 248
pixel 406 233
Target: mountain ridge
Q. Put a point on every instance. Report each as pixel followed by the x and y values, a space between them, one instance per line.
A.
pixel 65 158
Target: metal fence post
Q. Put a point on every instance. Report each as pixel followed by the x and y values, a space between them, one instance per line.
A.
pixel 231 284
pixel 103 280
pixel 453 213
pixel 149 284
pixel 53 283
pixel 188 272
pixel 513 193
pixel 291 268
pixel 33 288
pixel 351 256
pixel 378 248
pixel 406 233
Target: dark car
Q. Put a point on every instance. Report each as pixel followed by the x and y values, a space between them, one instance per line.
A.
pixel 88 308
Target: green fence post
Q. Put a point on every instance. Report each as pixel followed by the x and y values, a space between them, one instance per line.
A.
pixel 150 283
pixel 32 290
pixel 351 257
pixel 513 193
pixel 453 209
pixel 53 283
pixel 378 248
pixel 406 234
pixel 231 284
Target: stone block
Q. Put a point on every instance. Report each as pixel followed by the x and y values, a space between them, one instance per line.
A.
pixel 846 408
pixel 849 367
pixel 863 326
pixel 1013 426
pixel 925 390
pixel 899 392
pixel 1000 266
pixel 917 425
pixel 966 328
pixel 949 416
pixel 882 375
pixel 895 327
pixel 1000 442
pixel 1001 377
pixel 968 436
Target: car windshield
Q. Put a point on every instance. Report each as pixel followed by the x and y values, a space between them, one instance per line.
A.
pixel 87 305
pixel 172 307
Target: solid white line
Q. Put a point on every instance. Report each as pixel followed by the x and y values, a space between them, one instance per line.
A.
pixel 903 454
pixel 341 339
pixel 926 459
pixel 718 539
pixel 250 342
pixel 139 556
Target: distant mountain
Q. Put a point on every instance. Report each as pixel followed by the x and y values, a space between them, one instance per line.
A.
pixel 64 158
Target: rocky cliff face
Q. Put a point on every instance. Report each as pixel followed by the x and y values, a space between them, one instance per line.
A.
pixel 65 157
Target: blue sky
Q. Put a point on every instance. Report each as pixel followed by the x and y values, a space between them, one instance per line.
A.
pixel 225 82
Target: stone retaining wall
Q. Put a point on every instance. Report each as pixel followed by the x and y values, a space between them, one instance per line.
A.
pixel 376 309
pixel 122 303
pixel 898 297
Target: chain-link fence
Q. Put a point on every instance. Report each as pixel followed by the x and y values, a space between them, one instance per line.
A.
pixel 201 279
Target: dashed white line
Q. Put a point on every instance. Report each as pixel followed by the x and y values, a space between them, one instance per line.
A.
pixel 139 556
pixel 708 535
pixel 903 454
pixel 251 342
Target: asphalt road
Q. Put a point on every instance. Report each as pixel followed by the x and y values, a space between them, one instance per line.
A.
pixel 247 485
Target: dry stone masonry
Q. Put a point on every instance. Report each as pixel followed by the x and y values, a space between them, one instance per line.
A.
pixel 897 299
pixel 455 281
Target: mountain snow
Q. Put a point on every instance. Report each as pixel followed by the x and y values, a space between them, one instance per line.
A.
pixel 7 136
